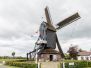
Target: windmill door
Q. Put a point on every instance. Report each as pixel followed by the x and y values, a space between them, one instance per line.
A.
pixel 51 57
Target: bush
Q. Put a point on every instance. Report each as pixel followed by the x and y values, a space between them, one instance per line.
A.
pixel 21 64
pixel 78 64
pixel 89 64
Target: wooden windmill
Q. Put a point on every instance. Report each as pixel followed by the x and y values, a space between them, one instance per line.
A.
pixel 51 36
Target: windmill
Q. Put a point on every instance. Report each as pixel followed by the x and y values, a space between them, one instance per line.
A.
pixel 49 40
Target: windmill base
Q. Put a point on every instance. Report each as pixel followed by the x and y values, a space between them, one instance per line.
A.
pixel 49 55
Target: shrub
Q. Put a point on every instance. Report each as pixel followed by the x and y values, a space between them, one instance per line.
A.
pixel 78 64
pixel 21 64
pixel 89 64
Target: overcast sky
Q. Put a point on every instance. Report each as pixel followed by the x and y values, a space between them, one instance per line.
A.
pixel 19 19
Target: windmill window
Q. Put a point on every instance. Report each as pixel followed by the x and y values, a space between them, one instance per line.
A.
pixel 87 58
pixel 82 58
pixel 90 58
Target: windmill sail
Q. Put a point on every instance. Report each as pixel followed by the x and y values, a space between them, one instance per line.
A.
pixel 68 20
pixel 48 17
pixel 49 20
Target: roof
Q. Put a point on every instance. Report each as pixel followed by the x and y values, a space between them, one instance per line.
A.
pixel 49 51
pixel 84 53
pixel 51 27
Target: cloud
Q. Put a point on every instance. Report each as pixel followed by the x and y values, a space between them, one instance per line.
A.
pixel 80 28
pixel 83 43
pixel 19 45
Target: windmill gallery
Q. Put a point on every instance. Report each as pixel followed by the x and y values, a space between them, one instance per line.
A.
pixel 45 47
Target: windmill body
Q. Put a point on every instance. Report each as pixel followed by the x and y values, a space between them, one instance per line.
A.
pixel 48 40
pixel 51 39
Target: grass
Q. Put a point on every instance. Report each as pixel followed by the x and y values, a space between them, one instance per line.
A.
pixel 12 67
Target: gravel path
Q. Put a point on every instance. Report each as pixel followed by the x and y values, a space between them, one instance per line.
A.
pixel 2 66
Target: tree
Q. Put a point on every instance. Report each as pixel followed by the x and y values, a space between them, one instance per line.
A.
pixel 80 50
pixel 13 54
pixel 73 52
pixel 67 56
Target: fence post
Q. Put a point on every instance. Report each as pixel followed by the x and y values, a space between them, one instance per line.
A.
pixel 39 65
pixel 63 65
pixel 27 57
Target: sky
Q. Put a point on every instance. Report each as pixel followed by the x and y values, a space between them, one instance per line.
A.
pixel 20 19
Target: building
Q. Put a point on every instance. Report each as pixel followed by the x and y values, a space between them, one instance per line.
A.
pixel 84 55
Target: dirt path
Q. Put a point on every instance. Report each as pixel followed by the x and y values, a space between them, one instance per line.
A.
pixel 49 65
